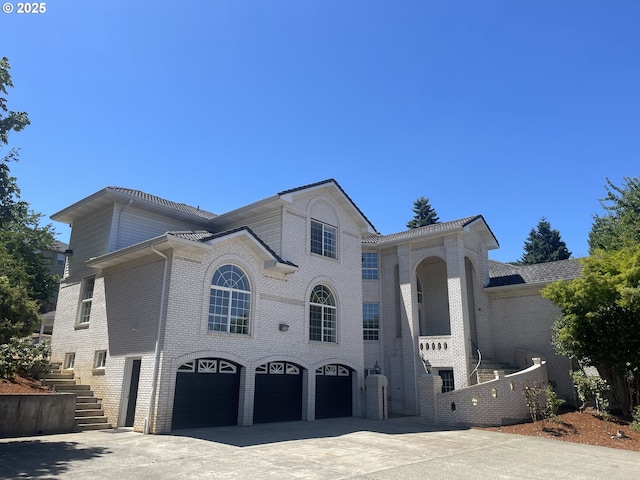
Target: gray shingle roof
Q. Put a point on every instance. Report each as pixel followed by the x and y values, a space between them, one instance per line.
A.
pixel 441 227
pixel 502 274
pixel 203 236
pixel 180 207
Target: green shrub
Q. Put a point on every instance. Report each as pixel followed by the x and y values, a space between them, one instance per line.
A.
pixel 532 395
pixel 543 403
pixel 635 425
pixel 22 355
pixel 591 388
pixel 552 403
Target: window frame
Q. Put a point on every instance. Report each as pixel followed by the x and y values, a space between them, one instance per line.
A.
pixel 448 380
pixel 86 301
pixel 100 359
pixel 371 321
pixel 69 361
pixel 370 272
pixel 230 300
pixel 324 247
pixel 323 316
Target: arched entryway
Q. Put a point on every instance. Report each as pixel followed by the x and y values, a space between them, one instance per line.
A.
pixel 206 394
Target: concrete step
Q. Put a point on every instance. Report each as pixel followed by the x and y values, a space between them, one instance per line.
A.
pixel 83 427
pixel 57 375
pixel 83 407
pixel 486 373
pixel 74 388
pixel 87 399
pixel 89 412
pixel 50 382
pixel 91 420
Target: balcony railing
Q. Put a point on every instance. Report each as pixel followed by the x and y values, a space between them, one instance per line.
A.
pixel 437 350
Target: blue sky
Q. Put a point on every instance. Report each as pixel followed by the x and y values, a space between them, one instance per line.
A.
pixel 511 109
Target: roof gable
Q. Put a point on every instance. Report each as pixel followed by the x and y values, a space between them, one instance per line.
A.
pixel 200 241
pixel 111 195
pixel 286 197
pixel 440 228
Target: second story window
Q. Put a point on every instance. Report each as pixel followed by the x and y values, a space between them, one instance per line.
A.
pixel 229 301
pixel 324 239
pixel 369 266
pixel 371 321
pixel 323 318
pixel 86 300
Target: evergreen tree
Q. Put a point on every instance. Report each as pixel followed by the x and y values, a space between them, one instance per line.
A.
pixel 620 227
pixel 25 281
pixel 424 214
pixel 601 319
pixel 544 245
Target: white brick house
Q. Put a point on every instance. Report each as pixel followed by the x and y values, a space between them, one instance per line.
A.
pixel 275 311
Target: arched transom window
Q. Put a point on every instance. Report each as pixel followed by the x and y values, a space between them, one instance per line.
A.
pixel 230 300
pixel 322 315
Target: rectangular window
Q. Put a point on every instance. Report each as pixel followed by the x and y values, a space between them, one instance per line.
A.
pixel 369 266
pixel 229 311
pixel 447 380
pixel 324 239
pixel 86 300
pixel 322 323
pixel 69 360
pixel 371 321
pixel 100 359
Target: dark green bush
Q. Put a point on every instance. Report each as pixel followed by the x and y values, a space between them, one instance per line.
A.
pixel 24 356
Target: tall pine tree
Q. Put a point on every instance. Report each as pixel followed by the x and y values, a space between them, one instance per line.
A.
pixel 620 227
pixel 424 214
pixel 544 245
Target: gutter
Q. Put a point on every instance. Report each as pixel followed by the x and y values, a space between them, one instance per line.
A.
pixel 156 359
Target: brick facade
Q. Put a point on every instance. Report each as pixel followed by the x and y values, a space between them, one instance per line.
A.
pixel 153 284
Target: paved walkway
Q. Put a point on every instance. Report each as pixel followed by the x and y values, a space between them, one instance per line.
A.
pixel 349 448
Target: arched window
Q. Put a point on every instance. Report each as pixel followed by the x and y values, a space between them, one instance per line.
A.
pixel 230 300
pixel 322 315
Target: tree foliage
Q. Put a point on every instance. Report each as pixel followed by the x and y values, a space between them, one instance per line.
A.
pixel 25 281
pixel 601 319
pixel 18 312
pixel 9 120
pixel 621 225
pixel 544 245
pixel 424 214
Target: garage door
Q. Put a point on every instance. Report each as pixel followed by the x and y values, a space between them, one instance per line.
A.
pixel 207 393
pixel 278 395
pixel 333 392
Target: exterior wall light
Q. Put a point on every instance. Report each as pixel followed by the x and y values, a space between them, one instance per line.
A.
pixel 283 327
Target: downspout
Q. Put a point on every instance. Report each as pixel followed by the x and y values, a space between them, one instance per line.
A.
pixel 156 360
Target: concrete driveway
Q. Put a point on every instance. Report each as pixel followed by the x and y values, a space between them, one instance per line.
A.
pixel 349 448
